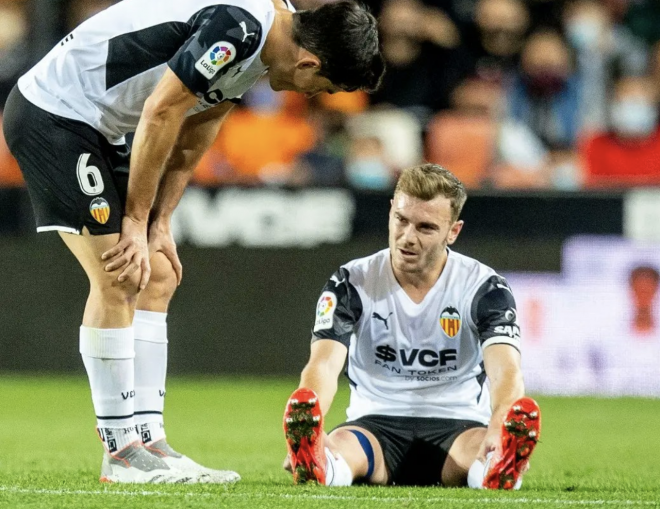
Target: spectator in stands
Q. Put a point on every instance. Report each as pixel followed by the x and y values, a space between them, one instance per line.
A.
pixel 419 45
pixel 604 51
pixel 323 164
pixel 493 50
pixel 482 146
pixel 629 153
pixel 546 92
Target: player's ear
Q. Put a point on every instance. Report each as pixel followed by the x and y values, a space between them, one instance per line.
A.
pixel 454 231
pixel 307 60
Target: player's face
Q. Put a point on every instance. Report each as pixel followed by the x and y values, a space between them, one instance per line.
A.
pixel 420 231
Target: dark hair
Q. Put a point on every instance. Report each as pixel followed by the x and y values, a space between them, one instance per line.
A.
pixel 344 36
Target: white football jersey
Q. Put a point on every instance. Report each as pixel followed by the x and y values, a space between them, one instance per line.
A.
pixel 103 72
pixel 417 360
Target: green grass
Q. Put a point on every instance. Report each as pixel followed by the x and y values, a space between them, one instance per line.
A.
pixel 594 452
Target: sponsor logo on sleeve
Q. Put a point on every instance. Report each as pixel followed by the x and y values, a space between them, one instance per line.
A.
pixel 450 321
pixel 220 54
pixel 325 311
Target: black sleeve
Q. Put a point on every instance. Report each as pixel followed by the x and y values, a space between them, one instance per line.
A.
pixel 338 310
pixel 221 36
pixel 494 313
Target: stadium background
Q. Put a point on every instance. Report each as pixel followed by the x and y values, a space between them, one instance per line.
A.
pixel 521 99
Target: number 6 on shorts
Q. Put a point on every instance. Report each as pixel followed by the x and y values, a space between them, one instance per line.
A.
pixel 89 177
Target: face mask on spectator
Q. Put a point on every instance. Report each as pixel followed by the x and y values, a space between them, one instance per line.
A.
pixel 584 33
pixel 634 117
pixel 545 83
pixel 368 173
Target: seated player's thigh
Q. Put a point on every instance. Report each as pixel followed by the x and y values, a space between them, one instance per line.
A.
pixel 344 442
pixel 162 285
pixel 461 455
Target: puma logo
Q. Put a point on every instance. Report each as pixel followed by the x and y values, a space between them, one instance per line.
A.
pixel 384 320
pixel 246 34
pixel 337 281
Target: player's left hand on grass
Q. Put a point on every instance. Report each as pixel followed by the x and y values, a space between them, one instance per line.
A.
pixel 161 240
pixel 131 252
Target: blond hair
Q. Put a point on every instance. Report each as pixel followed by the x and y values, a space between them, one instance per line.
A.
pixel 427 181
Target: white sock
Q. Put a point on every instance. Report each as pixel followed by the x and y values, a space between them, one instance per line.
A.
pixel 478 471
pixel 108 355
pixel 150 373
pixel 337 472
pixel 476 474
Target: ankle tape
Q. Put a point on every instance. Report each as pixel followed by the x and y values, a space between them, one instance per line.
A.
pixel 368 450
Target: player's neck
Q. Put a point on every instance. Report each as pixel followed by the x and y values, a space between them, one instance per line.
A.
pixel 418 284
pixel 280 52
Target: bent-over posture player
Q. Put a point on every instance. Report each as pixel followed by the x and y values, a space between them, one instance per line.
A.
pixel 170 71
pixel 423 328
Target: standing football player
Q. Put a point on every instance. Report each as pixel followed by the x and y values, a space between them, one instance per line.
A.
pixel 423 327
pixel 169 71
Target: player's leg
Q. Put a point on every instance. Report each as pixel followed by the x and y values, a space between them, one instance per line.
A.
pixel 67 170
pixel 150 325
pixel 355 454
pixel 462 454
pixel 519 435
pixel 350 452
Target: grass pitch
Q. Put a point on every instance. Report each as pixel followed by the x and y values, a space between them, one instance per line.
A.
pixel 594 452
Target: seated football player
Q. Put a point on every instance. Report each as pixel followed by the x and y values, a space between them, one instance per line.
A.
pixel 423 328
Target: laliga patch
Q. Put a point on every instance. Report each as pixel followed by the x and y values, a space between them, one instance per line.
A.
pixel 325 311
pixel 450 321
pixel 220 54
pixel 100 210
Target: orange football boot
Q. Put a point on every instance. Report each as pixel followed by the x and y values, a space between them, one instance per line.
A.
pixel 303 429
pixel 521 431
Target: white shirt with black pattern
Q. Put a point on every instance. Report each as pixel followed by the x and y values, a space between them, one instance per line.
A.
pixel 417 360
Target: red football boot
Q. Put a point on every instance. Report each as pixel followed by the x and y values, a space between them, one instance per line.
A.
pixel 521 431
pixel 303 429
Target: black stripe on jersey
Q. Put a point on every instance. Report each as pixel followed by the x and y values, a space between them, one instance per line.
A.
pixel 136 52
pixel 210 26
pixel 348 311
pixel 493 310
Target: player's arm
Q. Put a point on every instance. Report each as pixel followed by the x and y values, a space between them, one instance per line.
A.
pixel 494 313
pixel 158 129
pixel 502 364
pixel 195 137
pixel 337 312
pixel 323 369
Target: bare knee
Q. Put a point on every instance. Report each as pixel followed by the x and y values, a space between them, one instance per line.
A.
pixel 162 285
pixel 106 289
pixel 346 443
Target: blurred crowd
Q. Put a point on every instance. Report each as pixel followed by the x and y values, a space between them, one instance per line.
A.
pixel 507 94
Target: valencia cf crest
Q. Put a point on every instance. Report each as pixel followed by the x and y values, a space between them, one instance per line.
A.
pixel 450 321
pixel 100 210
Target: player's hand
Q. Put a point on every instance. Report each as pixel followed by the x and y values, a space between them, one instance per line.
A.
pixel 161 240
pixel 131 252
pixel 492 443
